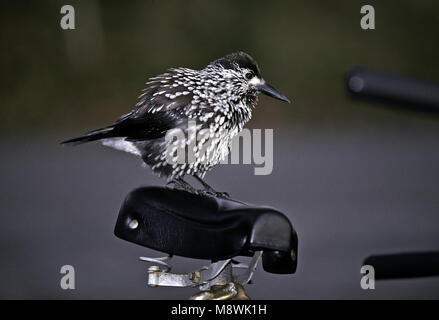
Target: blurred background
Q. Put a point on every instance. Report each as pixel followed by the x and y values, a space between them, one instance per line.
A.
pixel 355 178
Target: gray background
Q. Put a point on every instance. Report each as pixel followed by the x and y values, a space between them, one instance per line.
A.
pixel 354 178
pixel 347 195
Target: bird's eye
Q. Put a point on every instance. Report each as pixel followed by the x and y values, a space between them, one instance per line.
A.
pixel 249 75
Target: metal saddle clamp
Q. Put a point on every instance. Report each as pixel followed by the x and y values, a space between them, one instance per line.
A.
pixel 215 282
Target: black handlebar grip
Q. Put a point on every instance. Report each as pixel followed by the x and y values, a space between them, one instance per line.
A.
pixel 405 265
pixel 388 87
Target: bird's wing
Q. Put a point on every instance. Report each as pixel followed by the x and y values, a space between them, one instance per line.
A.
pixel 165 104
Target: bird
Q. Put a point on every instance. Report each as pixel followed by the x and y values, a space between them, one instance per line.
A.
pixel 218 100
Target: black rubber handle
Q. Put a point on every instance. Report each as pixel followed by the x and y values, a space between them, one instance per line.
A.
pixel 388 87
pixel 405 265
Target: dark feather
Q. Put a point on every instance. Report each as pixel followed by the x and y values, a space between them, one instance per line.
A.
pixel 152 117
pixel 239 59
pixel 94 135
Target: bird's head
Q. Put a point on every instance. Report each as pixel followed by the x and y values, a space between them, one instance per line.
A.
pixel 243 72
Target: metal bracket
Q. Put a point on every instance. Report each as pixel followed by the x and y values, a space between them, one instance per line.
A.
pixel 218 273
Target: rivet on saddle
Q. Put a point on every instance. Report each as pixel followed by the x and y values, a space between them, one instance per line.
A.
pixel 203 227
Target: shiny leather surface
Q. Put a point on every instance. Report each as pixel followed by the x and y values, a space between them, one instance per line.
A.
pixel 203 227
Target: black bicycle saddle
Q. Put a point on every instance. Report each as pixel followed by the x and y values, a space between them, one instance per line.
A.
pixel 203 227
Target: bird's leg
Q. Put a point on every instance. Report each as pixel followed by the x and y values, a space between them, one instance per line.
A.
pixel 209 190
pixel 180 183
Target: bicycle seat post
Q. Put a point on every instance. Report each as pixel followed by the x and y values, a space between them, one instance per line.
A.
pixel 223 287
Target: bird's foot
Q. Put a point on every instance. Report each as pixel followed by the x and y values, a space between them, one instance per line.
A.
pixel 214 193
pixel 222 195
pixel 208 190
pixel 180 184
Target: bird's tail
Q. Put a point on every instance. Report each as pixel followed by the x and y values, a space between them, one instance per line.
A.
pixel 94 135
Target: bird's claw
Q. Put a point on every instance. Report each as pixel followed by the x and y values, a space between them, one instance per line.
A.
pixel 182 186
pixel 222 195
pixel 208 191
pixel 213 193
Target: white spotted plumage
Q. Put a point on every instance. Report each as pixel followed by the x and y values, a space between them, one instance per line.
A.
pixel 219 102
pixel 218 98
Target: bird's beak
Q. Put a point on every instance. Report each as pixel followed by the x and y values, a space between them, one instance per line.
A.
pixel 271 91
